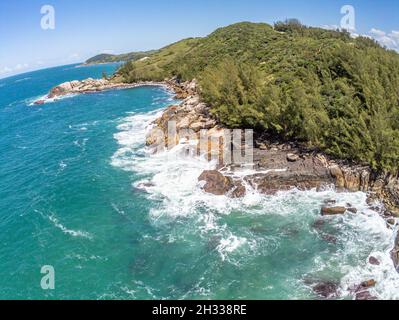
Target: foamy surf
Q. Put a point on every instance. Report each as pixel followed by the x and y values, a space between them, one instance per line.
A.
pixel 171 178
pixel 56 223
pixel 45 99
pixel 73 233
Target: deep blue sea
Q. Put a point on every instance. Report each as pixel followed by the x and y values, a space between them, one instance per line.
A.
pixel 80 192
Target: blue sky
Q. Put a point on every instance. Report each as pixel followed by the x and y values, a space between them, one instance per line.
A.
pixel 88 27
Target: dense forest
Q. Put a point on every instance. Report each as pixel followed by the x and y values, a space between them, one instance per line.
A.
pixel 320 87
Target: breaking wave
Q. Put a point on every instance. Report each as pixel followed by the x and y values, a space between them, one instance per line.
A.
pixel 173 185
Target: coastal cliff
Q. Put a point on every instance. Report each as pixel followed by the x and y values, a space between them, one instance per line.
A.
pixel 277 166
pixel 280 165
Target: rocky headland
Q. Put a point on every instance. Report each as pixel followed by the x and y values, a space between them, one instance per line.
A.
pixel 277 166
pixel 91 86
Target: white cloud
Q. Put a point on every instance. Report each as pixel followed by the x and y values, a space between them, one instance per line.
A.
pixel 16 69
pixel 377 33
pixel 21 66
pixel 5 70
pixel 389 40
pixel 330 27
pixel 395 35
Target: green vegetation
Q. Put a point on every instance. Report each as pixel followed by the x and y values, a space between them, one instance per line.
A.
pixel 108 58
pixel 316 86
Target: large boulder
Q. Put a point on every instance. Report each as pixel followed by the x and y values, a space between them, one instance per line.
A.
pixel 330 211
pixel 374 261
pixel 60 90
pixel 218 184
pixel 215 182
pixel 326 289
pixel 291 157
pixel 39 102
pixel 364 296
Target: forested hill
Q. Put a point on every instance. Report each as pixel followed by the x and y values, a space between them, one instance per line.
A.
pixel 320 87
pixel 107 58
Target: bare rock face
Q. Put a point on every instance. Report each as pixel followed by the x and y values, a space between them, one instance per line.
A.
pixel 350 179
pixel 278 171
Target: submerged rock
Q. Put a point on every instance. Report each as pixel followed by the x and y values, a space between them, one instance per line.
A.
pixel 327 289
pixel 365 295
pixel 352 210
pixel 330 202
pixel 328 211
pixel 374 261
pixel 395 253
pixel 318 224
pixel 215 182
pixel 329 238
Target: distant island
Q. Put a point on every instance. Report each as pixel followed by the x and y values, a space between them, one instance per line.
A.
pixel 109 58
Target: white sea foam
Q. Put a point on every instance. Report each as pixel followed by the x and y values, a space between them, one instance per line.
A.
pixel 229 245
pixel 174 183
pixel 22 80
pixel 73 233
pixel 31 102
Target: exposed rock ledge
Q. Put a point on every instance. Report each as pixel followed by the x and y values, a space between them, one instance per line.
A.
pixel 95 85
pixel 277 166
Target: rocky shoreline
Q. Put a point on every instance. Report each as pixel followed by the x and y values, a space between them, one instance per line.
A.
pixel 89 85
pixel 277 166
pixel 281 166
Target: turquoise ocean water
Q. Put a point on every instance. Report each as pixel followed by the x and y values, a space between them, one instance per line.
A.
pixel 79 192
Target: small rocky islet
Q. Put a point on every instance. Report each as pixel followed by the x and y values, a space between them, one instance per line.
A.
pixel 278 166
